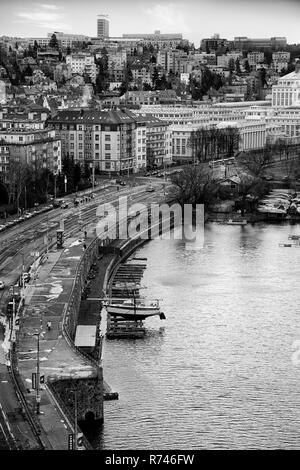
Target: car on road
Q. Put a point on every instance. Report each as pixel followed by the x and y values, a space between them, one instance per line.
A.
pixel 150 189
pixel 65 205
pixel 2 227
pixel 2 285
pixel 120 182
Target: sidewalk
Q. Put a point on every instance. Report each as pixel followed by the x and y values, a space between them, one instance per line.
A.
pixel 46 299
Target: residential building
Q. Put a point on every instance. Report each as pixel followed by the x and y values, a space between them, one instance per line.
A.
pixel 158 140
pixel 104 140
pixel 39 148
pixel 83 63
pixel 255 58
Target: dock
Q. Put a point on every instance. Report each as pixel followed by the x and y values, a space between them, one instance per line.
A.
pixel 126 282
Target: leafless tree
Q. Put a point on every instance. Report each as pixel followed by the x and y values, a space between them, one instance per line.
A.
pixel 212 143
pixel 195 185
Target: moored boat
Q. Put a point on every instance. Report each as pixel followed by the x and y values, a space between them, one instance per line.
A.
pixel 134 309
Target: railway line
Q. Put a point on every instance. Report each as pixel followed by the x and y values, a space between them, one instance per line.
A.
pixel 17 247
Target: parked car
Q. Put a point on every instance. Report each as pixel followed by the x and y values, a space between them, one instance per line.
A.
pixel 2 285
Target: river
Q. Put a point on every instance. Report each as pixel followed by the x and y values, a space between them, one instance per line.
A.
pixel 221 372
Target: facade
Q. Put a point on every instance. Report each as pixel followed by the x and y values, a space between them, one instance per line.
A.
pixel 141 75
pixel 255 58
pixel 243 43
pixel 102 26
pixel 214 43
pixel 182 151
pixel 158 140
pixel 82 63
pixel 287 91
pixel 104 140
pixel 287 119
pixel 39 148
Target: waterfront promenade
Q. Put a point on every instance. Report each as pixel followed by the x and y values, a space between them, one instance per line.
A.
pixel 46 300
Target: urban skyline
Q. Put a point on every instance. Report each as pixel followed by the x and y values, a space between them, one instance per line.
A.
pixel 195 20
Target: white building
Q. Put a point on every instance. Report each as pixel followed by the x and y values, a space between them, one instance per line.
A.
pixel 82 63
pixel 116 59
pixel 287 91
pixel 255 58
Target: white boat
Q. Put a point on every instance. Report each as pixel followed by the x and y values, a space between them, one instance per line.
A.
pixel 235 222
pixel 135 309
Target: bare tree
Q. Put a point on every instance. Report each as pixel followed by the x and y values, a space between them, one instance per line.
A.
pixel 214 143
pixel 195 185
pixel 255 162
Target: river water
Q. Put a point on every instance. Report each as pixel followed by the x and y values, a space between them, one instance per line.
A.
pixel 222 371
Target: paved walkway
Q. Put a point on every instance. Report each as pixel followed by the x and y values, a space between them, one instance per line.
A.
pixel 46 299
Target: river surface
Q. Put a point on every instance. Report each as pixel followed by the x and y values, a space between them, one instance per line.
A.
pixel 222 371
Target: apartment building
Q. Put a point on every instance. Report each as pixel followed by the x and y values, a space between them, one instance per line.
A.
pixel 39 148
pixel 104 140
pixel 116 59
pixel 280 60
pixel 82 63
pixel 158 140
pixel 255 58
pixel 141 75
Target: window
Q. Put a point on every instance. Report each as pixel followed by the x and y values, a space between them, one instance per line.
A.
pixel 80 137
pixel 97 137
pixel 107 138
pixel 71 136
pixel 107 146
pixel 107 156
pixel 80 146
pixel 107 165
pixel 97 146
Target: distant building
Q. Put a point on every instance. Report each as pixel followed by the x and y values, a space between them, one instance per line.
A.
pixel 82 63
pixel 244 43
pixel 104 140
pixel 102 26
pixel 287 90
pixel 214 43
pixel 39 148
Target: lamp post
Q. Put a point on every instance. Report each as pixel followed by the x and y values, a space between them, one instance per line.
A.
pixel 54 185
pixel 66 181
pixel 38 396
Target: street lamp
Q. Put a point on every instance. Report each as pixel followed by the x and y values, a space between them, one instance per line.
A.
pixel 65 181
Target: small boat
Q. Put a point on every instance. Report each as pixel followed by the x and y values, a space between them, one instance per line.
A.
pixel 135 309
pixel 294 237
pixel 235 222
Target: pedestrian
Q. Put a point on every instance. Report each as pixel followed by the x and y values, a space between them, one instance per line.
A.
pixel 49 325
pixel 85 234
